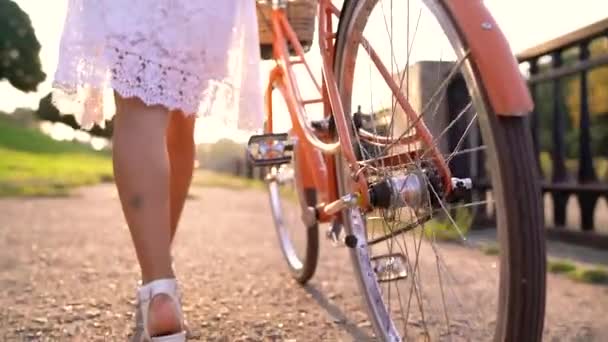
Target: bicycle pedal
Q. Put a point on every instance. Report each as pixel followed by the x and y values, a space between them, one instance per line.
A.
pixel 389 267
pixel 269 149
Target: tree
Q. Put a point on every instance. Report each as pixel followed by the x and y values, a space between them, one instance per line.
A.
pixel 19 48
pixel 48 112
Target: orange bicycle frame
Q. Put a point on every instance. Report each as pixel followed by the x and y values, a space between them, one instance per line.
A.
pixel 316 167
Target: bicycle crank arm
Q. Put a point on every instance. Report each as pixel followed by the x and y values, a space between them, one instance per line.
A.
pixel 344 202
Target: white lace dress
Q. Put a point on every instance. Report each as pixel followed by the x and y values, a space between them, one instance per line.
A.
pixel 198 56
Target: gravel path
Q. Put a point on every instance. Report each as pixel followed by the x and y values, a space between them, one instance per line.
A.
pixel 68 273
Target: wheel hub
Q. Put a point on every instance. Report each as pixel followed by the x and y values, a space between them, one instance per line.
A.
pixel 406 190
pixel 417 189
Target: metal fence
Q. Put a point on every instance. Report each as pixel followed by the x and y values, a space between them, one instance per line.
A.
pixel 571 170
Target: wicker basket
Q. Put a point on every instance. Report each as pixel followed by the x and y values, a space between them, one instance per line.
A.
pixel 301 15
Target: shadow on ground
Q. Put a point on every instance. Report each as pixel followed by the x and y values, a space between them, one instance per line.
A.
pixel 337 314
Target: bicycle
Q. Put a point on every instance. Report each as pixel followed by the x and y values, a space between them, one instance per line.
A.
pixel 381 179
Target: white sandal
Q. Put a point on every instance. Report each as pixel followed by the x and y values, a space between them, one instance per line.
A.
pixel 144 296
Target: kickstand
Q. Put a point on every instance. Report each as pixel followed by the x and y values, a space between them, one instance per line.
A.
pixel 334 232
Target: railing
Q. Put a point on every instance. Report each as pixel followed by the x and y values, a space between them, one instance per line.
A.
pixel 558 74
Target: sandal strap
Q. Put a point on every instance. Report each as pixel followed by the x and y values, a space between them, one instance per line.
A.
pixel 178 337
pixel 160 286
pixel 148 291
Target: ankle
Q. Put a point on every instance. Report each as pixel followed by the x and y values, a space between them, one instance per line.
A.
pixel 147 278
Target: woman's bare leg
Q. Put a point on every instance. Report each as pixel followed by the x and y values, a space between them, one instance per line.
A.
pixel 180 144
pixel 141 170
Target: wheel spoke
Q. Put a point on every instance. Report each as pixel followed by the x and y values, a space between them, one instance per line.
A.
pixel 447 128
pixel 461 141
pixel 424 111
pixel 398 233
pixel 465 151
pixel 472 204
pixel 445 308
pixel 447 213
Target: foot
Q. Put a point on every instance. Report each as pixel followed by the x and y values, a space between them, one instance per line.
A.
pixel 159 312
pixel 163 317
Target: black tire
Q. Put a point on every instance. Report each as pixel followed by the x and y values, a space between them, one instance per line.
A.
pixel 302 267
pixel 522 283
pixel 312 246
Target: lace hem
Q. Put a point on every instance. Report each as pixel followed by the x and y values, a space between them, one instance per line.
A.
pixel 199 58
pixel 92 109
pixel 154 82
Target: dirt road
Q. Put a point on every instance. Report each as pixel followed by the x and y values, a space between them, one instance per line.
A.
pixel 68 273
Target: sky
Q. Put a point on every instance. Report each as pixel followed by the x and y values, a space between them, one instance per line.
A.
pixel 524 22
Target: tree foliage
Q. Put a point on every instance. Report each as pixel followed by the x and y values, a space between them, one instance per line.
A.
pixel 48 112
pixel 570 103
pixel 19 48
pixel 220 156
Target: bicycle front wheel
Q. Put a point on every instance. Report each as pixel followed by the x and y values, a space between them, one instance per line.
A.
pixel 416 282
pixel 298 241
pixel 289 199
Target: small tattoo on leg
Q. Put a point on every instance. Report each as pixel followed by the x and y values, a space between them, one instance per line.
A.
pixel 136 202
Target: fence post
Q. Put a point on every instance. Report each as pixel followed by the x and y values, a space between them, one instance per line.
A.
pixel 560 175
pixel 586 171
pixel 534 117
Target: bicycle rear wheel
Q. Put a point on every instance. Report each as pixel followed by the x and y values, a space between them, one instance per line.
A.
pixel 413 283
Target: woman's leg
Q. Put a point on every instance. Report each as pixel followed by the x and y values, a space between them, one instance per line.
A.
pixel 141 170
pixel 180 144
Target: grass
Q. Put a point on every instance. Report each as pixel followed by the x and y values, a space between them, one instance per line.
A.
pixel 441 228
pixel 588 275
pixel 490 249
pixel 33 164
pixel 561 266
pixel 583 274
pixel 576 272
pixel 591 276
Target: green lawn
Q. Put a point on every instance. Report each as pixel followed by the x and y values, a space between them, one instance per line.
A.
pixel 583 274
pixel 33 164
